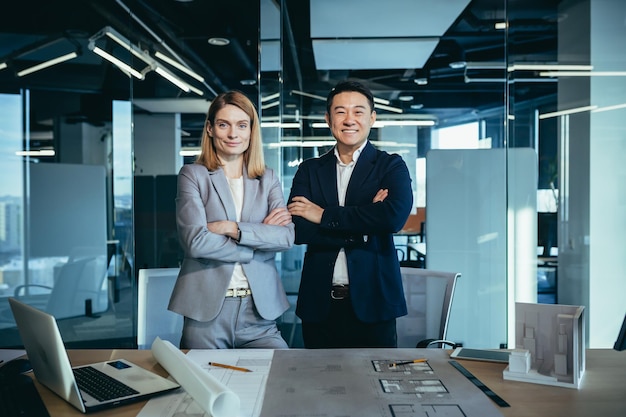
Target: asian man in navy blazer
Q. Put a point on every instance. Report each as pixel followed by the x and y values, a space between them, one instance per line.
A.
pixel 346 206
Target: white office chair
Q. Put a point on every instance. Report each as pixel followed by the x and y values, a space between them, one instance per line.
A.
pixel 153 318
pixel 429 298
pixel 80 289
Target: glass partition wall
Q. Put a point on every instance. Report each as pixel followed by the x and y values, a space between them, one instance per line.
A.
pixel 507 114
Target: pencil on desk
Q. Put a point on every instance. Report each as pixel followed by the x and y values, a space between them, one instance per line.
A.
pixel 234 368
pixel 392 365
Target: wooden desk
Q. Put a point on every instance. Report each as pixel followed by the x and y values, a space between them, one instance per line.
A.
pixel 602 392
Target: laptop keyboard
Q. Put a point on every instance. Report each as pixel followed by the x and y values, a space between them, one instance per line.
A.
pixel 99 385
pixel 19 397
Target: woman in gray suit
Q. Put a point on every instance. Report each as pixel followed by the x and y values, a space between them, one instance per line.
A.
pixel 232 220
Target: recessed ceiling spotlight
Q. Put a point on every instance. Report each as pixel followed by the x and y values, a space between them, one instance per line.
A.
pixel 458 64
pixel 248 82
pixel 405 98
pixel 218 41
pixel 417 106
pixel 421 81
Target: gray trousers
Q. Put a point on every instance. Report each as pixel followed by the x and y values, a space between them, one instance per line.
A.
pixel 238 325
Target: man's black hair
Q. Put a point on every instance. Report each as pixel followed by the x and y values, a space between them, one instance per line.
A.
pixel 344 86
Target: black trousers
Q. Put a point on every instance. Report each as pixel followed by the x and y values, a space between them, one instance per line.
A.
pixel 343 329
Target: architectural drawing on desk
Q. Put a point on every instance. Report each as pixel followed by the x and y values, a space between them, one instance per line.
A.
pixel 415 385
pixel 415 410
pixel 554 337
pixel 418 386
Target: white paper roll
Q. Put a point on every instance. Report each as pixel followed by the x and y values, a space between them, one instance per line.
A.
pixel 213 396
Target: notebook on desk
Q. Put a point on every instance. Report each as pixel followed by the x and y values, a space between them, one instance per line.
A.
pixel 89 387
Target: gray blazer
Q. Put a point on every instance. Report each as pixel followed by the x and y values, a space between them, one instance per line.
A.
pixel 204 196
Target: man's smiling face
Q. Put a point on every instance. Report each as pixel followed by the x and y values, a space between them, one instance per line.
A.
pixel 350 120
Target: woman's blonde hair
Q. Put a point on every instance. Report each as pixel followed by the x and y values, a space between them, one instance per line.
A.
pixel 253 156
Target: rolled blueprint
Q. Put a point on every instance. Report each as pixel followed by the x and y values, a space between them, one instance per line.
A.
pixel 213 396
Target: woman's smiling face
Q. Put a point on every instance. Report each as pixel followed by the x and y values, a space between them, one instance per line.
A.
pixel 230 132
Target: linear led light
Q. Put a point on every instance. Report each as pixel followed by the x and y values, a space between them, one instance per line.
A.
pixel 388 108
pixel 568 111
pixel 189 152
pixel 302 144
pixel 500 25
pixel 177 81
pixel 270 97
pixel 381 100
pixel 281 125
pixel 126 44
pixel 47 64
pixel 384 123
pixel 549 67
pixel 43 152
pixel 178 65
pixel 485 65
pixel 583 74
pixel 483 80
pixel 3 65
pixel 117 62
pixel 270 105
pixel 302 93
pixel 607 108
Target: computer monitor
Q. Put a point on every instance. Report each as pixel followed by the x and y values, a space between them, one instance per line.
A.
pixel 620 343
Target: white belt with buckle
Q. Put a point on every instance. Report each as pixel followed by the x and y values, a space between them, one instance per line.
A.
pixel 238 292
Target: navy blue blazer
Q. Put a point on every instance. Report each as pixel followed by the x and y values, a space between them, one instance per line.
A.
pixel 364 229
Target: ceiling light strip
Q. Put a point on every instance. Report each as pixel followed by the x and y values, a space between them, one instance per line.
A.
pixel 302 93
pixel 607 108
pixel 568 111
pixel 173 79
pixel 3 65
pixel 47 64
pixel 159 40
pixel 388 108
pixel 549 67
pixel 125 43
pixel 270 97
pixel 177 81
pixel 118 63
pixel 43 152
pixel 385 123
pixel 583 74
pixel 177 65
pixel 282 125
pixel 270 105
pixel 381 101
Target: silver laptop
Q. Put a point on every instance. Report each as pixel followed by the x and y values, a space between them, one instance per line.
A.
pixel 48 357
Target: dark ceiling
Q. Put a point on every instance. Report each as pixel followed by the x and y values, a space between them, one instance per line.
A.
pixel 36 30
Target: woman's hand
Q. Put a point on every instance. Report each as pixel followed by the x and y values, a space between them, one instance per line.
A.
pixel 224 227
pixel 280 216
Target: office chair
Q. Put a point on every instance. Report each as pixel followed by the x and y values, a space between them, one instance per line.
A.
pixel 429 298
pixel 80 288
pixel 153 318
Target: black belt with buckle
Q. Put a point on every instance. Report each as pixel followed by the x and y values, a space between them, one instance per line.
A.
pixel 340 292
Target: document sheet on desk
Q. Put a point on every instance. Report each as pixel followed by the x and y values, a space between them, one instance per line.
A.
pixel 249 386
pixel 364 382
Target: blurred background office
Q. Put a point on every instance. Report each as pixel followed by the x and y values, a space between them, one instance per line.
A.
pixel 509 113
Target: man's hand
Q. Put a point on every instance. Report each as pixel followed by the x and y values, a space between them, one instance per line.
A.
pixel 380 195
pixel 280 216
pixel 301 206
